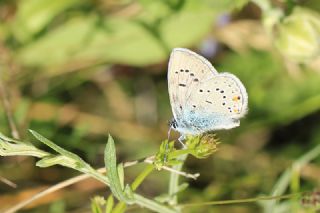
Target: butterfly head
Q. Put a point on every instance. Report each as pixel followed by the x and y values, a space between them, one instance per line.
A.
pixel 173 123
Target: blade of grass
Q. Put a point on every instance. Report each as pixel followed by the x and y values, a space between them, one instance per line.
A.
pixel 284 180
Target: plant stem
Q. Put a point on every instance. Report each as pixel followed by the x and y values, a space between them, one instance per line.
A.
pixel 136 183
pixel 98 176
pixel 152 205
pixel 121 206
pixel 174 180
pixel 248 200
pixel 140 200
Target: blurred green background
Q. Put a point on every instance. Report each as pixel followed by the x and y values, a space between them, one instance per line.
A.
pixel 76 71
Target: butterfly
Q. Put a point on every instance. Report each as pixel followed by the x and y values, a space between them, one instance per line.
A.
pixel 202 99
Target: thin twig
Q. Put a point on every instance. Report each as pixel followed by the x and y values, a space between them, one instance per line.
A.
pixel 8 182
pixel 150 160
pixel 79 178
pixel 7 109
pixel 247 200
pixel 50 190
pixel 181 173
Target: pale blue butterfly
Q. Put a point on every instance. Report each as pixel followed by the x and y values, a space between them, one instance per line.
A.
pixel 202 99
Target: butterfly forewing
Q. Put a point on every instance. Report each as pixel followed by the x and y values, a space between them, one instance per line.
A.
pixel 187 71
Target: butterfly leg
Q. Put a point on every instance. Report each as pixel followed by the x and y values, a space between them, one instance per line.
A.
pixel 169 132
pixel 181 139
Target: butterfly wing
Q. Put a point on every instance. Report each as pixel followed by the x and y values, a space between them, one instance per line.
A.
pixel 200 97
pixel 217 103
pixel 185 72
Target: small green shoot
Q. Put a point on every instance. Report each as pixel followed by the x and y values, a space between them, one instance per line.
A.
pixel 116 184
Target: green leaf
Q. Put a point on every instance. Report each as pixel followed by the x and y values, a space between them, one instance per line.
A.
pixel 33 15
pixel 96 204
pixel 97 41
pixel 57 159
pixel 54 146
pixel 140 40
pixel 175 30
pixel 12 147
pixel 121 174
pixel 113 175
pixel 74 161
pixel 109 205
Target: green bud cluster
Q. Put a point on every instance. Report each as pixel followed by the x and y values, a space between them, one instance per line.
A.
pixel 202 146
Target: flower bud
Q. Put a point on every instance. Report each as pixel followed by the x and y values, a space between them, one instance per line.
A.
pixel 298 35
pixel 202 146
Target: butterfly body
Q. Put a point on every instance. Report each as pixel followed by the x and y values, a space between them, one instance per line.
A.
pixel 202 99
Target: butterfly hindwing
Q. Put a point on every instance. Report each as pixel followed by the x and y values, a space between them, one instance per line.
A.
pixel 223 94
